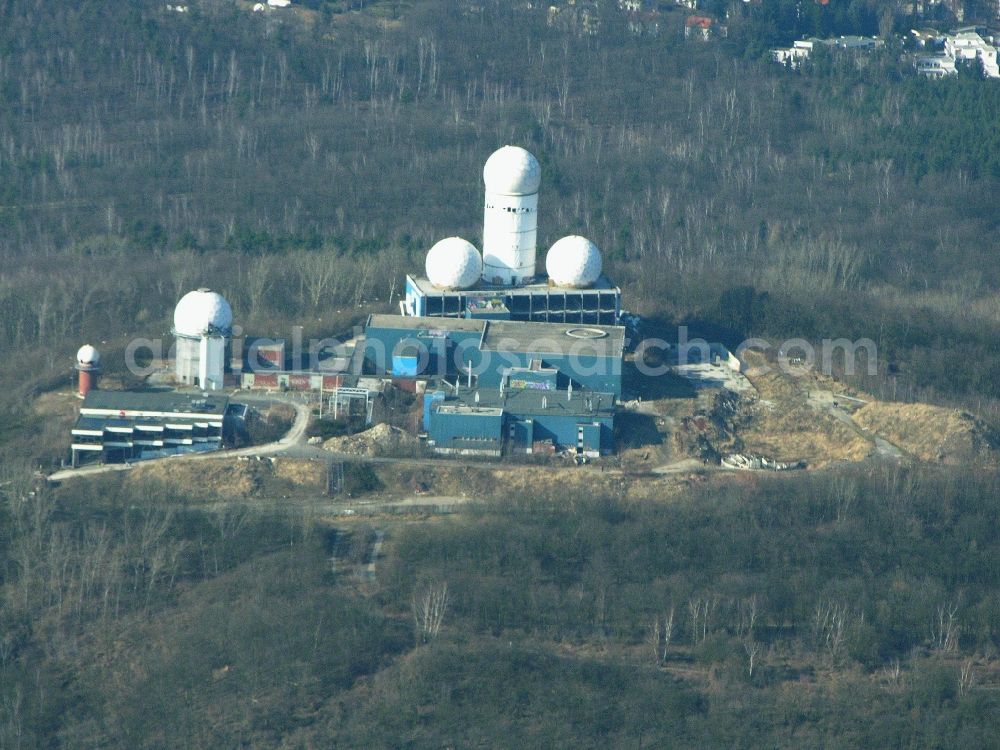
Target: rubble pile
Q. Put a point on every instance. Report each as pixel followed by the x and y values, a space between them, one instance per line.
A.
pixel 382 439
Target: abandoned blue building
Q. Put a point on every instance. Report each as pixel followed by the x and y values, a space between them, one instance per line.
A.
pixel 505 386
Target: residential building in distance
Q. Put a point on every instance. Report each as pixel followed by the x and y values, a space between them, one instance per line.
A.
pixel 802 49
pixel 965 45
pixel 702 28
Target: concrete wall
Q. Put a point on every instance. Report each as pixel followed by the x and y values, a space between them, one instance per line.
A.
pixel 293 381
pixel 186 362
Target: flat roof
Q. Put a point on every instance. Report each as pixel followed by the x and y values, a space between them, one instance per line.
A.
pixel 519 335
pixel 166 402
pixel 460 407
pixel 428 324
pixel 554 338
pixel 542 286
pixel 530 402
pixel 89 424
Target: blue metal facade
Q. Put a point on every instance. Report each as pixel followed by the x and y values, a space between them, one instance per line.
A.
pixel 448 347
pixel 429 400
pixel 437 347
pixel 530 382
pixel 565 432
pixel 470 430
pixel 584 423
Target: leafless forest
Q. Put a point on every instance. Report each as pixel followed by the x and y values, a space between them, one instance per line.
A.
pixel 302 170
pixel 301 164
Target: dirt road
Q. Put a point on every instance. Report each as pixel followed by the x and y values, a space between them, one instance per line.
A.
pixel 296 436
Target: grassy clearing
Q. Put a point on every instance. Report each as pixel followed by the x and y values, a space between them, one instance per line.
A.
pixel 931 433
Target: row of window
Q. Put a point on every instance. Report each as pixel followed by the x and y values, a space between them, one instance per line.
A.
pixel 512 210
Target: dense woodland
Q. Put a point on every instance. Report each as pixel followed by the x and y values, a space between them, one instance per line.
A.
pixel 302 169
pixel 300 164
pixel 856 610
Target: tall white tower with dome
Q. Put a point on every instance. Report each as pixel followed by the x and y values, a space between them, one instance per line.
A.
pixel 512 176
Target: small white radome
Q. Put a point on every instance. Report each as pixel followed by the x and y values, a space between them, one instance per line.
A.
pixel 202 311
pixel 453 263
pixel 88 355
pixel 512 171
pixel 573 261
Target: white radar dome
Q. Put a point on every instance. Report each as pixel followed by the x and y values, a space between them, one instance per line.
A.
pixel 453 263
pixel 573 261
pixel 202 311
pixel 512 171
pixel 88 355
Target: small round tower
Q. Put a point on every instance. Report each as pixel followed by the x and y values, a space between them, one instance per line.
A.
pixel 88 367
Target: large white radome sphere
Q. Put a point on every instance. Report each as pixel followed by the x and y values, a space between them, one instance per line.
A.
pixel 573 261
pixel 88 355
pixel 512 171
pixel 453 263
pixel 202 311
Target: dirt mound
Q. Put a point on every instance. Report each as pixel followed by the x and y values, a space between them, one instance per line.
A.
pixel 930 433
pixel 798 433
pixel 380 440
pixel 300 472
pixel 223 477
pixel 785 427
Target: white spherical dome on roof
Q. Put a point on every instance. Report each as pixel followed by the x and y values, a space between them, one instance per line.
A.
pixel 202 311
pixel 512 171
pixel 573 261
pixel 88 355
pixel 453 263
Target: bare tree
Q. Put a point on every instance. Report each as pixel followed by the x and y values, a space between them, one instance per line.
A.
pixel 752 648
pixel 313 144
pixel 845 492
pixel 945 628
pixel 966 677
pixel 317 271
pixel 747 610
pixel 830 626
pixel 701 609
pixel 661 634
pixel 259 280
pixel 429 607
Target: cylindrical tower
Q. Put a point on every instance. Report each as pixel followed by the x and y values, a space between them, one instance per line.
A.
pixel 510 222
pixel 203 322
pixel 88 367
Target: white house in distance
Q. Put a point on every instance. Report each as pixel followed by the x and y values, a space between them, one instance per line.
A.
pixel 963 45
pixel 968 45
pixel 803 48
pixel 936 66
pixel 794 55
